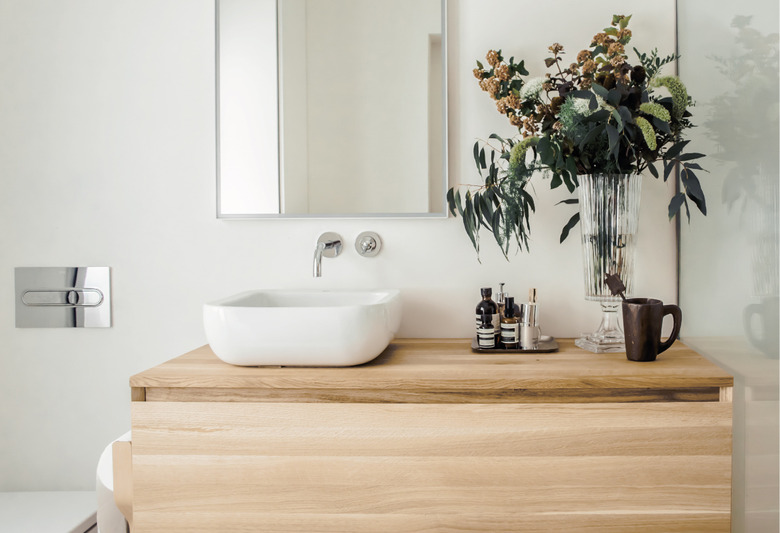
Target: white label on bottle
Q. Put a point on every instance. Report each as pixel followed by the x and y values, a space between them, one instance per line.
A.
pixel 486 338
pixel 509 332
pixel 495 320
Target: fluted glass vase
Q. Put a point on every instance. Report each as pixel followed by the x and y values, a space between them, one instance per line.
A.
pixel 609 216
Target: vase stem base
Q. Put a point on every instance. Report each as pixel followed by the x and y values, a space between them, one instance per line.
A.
pixel 586 342
pixel 608 338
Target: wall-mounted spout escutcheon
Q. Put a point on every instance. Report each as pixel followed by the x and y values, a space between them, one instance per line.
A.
pixel 329 245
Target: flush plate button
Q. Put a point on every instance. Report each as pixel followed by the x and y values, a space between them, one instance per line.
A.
pixel 63 297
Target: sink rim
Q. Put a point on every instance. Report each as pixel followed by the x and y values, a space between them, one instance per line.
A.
pixel 238 300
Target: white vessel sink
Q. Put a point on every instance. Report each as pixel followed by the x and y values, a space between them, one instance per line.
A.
pixel 302 327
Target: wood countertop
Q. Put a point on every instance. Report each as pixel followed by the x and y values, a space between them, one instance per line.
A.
pixel 444 371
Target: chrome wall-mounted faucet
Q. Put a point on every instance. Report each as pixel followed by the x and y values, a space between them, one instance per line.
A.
pixel 329 244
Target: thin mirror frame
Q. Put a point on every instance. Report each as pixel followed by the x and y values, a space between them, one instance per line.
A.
pixel 445 138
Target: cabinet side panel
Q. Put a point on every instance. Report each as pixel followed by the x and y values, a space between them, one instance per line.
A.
pixel 407 467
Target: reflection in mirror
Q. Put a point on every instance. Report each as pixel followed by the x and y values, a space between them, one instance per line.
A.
pixel 350 122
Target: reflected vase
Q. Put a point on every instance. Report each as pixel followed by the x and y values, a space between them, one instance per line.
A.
pixel 609 217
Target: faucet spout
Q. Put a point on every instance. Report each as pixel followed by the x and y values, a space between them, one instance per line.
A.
pixel 328 245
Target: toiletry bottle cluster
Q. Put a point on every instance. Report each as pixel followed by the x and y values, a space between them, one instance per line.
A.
pixel 505 324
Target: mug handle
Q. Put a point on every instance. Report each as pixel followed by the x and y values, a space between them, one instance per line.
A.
pixel 676 313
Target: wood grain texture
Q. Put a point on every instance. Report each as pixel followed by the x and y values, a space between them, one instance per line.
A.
pixel 448 369
pixel 431 467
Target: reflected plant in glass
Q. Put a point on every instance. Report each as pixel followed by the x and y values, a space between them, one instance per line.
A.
pixel 598 116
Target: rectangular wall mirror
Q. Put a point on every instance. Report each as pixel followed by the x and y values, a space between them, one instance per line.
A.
pixel 331 108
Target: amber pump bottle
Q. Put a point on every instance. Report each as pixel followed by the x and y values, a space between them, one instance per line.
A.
pixel 510 327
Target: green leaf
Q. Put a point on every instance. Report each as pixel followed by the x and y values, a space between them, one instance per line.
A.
pixel 480 65
pixel 611 31
pixel 546 152
pixel 569 201
pixel 459 204
pixel 482 158
pixel 675 150
pixel 662 125
pixel 468 222
pixel 580 94
pixel 550 61
pixel 675 204
pixel 593 104
pixel 556 181
pixel 624 22
pixel 625 114
pixel 693 189
pixel 598 116
pixel 613 97
pixel 652 169
pixel 451 201
pixel 476 157
pixel 613 135
pixel 497 137
pixel 688 157
pixel 571 166
pixel 520 68
pixel 668 167
pixel 618 119
pixel 569 225
pixel 600 90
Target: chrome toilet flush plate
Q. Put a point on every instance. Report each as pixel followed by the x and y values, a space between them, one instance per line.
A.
pixel 63 297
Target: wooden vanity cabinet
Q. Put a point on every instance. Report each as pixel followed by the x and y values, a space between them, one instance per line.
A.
pixel 433 437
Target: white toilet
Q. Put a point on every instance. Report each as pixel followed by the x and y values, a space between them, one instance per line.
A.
pixel 109 517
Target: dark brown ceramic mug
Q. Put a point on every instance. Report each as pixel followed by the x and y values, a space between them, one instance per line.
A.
pixel 642 320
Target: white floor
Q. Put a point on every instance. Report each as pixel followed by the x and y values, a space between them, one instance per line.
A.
pixel 48 512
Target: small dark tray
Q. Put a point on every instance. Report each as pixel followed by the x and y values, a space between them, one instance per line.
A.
pixel 544 347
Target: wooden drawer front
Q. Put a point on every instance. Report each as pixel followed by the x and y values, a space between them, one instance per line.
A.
pixel 201 467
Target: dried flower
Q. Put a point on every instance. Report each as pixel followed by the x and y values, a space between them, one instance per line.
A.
pixel 515 120
pixel 502 72
pixel 574 68
pixel 589 67
pixel 555 48
pixel 513 101
pixel 624 34
pixel 583 56
pixel 615 48
pixel 501 106
pixel 586 83
pixel 493 58
pixel 617 61
pixel 638 74
pixel 479 73
pixel 547 86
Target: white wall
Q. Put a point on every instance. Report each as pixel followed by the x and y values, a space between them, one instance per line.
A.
pixel 107 158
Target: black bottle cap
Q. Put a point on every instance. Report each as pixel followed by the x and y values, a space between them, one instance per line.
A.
pixel 487 292
pixel 509 307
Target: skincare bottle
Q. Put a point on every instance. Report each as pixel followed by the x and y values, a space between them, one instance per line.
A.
pixel 486 334
pixel 500 299
pixel 529 327
pixel 488 307
pixel 510 328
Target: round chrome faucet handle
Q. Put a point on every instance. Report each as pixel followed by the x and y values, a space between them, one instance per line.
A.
pixel 331 244
pixel 368 244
